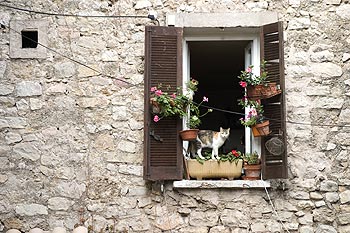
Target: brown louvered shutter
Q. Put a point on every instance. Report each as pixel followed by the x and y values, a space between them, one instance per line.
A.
pixel 163 159
pixel 274 163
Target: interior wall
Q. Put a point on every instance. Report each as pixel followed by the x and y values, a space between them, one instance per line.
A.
pixel 216 65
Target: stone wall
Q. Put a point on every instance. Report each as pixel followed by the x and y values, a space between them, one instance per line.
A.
pixel 71 141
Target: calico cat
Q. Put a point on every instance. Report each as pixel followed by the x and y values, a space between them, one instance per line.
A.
pixel 208 139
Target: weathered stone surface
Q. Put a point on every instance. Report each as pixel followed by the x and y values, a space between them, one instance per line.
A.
pixel 3 178
pixel 35 104
pixel 234 218
pixel 325 229
pixel 28 88
pixel 163 223
pixel 307 219
pixel 343 11
pixel 12 137
pixel 26 150
pixel 332 197
pixel 344 197
pixel 127 146
pixel 31 209
pixel 13 122
pixel 59 88
pixel 141 4
pixel 120 113
pixel 326 69
pixel 6 89
pixel 322 56
pixel 209 218
pixel 346 57
pixel 333 2
pixel 220 229
pixel 329 186
pixel 344 219
pixel 329 103
pixel 306 229
pixel 130 170
pixel 316 196
pixel 299 23
pixel 319 204
pixel 65 69
pixel 300 195
pixel 59 203
pixel 70 189
pixel 93 102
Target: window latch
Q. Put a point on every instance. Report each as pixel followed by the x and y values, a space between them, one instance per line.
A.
pixel 156 137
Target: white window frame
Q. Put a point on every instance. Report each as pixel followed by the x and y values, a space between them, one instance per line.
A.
pixel 251 143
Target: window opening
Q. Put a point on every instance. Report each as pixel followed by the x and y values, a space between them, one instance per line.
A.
pixel 216 65
pixel 29 38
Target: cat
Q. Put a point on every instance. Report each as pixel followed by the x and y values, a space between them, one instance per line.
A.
pixel 208 139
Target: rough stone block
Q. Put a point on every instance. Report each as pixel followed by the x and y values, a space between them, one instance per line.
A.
pixel 142 4
pixel 59 203
pixel 344 219
pixel 258 227
pixel 11 137
pixel 344 197
pixel 6 89
pixel 130 170
pixel 319 204
pixel 300 195
pixel 306 229
pixel 332 197
pixel 65 69
pixel 31 209
pixel 299 23
pixel 210 218
pixel 27 150
pixel 28 88
pixel 325 229
pixel 343 11
pixel 329 186
pixel 316 196
pixel 326 69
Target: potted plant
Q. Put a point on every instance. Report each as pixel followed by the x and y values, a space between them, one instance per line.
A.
pixel 252 166
pixel 255 119
pixel 193 119
pixel 257 86
pixel 228 166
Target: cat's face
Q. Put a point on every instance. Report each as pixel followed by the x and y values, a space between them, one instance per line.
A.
pixel 224 132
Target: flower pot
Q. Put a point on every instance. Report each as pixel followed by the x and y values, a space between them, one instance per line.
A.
pixel 214 169
pixel 155 108
pixel 261 129
pixel 263 91
pixel 252 172
pixel 189 134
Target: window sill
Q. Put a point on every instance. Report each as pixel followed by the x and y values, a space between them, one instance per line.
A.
pixel 239 184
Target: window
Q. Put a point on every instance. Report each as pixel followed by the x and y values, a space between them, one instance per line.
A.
pixel 25 37
pixel 164 50
pixel 29 39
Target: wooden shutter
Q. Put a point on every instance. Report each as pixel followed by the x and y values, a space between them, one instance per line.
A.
pixel 163 158
pixel 271 42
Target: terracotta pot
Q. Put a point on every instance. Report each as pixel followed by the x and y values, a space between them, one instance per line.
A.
pixel 214 169
pixel 189 134
pixel 261 129
pixel 263 91
pixel 252 172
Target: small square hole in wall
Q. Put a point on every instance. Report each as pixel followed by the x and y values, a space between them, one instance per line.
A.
pixel 29 39
pixel 26 38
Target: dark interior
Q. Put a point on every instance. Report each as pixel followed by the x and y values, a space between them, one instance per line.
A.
pixel 29 39
pixel 216 65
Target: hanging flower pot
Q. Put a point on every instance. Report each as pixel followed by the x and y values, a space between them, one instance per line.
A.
pixel 189 134
pixel 263 91
pixel 261 129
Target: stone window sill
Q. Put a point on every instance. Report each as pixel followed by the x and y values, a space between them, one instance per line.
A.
pixel 238 184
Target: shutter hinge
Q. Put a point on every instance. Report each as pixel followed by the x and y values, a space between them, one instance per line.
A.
pixel 156 137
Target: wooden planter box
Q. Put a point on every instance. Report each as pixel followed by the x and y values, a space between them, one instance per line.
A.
pixel 214 169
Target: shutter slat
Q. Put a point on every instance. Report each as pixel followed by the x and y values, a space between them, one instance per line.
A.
pixel 271 42
pixel 163 159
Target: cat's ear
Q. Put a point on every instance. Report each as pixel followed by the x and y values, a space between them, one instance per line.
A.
pixel 221 129
pixel 228 129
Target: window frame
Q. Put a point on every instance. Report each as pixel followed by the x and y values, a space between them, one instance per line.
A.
pixel 251 143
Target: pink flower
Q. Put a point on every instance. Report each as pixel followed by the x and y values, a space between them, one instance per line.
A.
pixel 173 95
pixel 205 99
pixel 153 89
pixel 253 112
pixel 249 70
pixel 243 84
pixel 158 92
pixel 156 118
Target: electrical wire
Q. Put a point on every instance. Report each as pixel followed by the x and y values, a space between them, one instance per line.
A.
pixel 152 17
pixel 277 120
pixel 69 58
